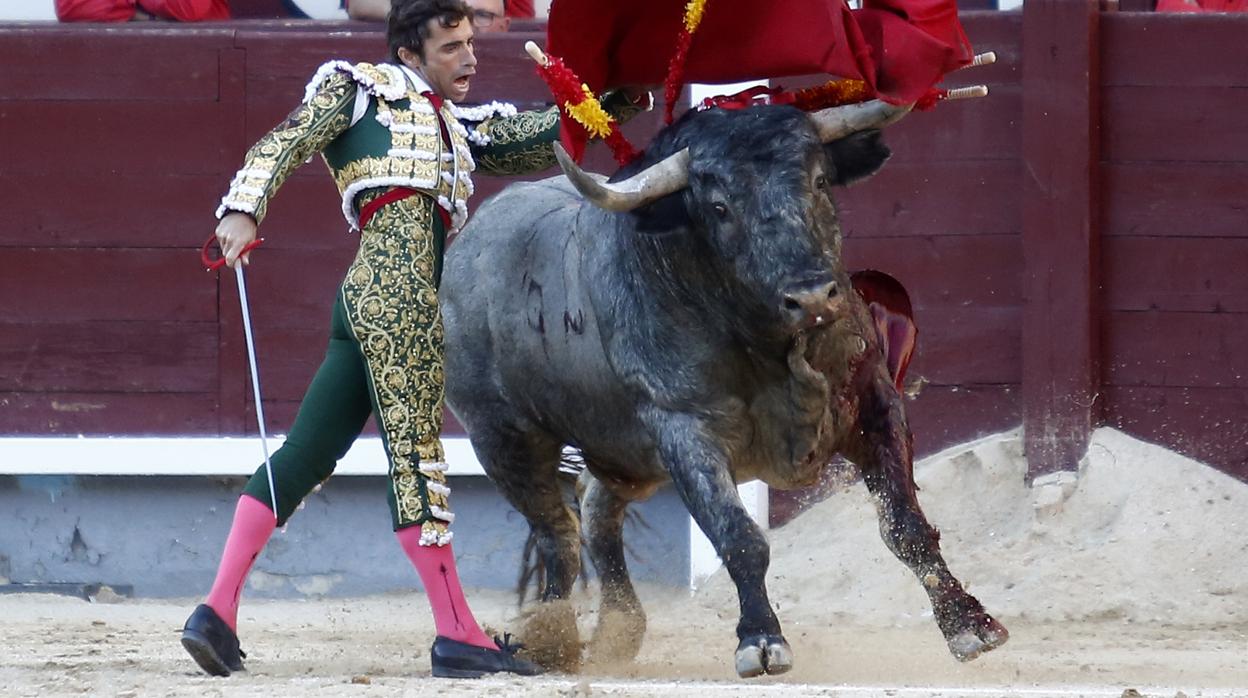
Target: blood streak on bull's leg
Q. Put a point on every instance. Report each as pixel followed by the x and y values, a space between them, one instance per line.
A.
pixel 886 459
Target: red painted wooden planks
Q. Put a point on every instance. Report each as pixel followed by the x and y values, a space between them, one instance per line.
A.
pixel 71 285
pixel 1189 124
pixel 1000 32
pixel 81 139
pixel 957 270
pixel 1203 350
pixel 109 210
pixel 1203 275
pixel 976 129
pixel 1174 50
pixel 92 414
pixel 98 63
pixel 1208 424
pixel 1176 199
pixel 934 198
pixel 288 358
pixel 305 215
pixel 969 346
pixel 132 357
pixel 943 416
pixel 295 288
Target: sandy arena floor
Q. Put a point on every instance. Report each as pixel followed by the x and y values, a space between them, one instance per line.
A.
pixel 1129 578
pixel 378 646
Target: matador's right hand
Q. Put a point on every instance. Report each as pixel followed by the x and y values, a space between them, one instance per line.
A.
pixel 236 231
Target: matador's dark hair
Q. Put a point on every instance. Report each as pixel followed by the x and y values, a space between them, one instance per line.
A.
pixel 408 24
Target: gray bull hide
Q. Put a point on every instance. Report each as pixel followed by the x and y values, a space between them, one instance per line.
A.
pixel 706 337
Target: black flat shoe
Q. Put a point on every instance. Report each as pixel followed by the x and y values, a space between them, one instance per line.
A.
pixel 211 643
pixel 452 659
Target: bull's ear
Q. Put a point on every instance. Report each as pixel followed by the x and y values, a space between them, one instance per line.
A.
pixel 856 156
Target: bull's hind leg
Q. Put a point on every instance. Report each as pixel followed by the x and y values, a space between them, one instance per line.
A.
pixel 621 619
pixel 885 456
pixel 524 468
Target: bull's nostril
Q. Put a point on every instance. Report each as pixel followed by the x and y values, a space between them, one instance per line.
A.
pixel 832 291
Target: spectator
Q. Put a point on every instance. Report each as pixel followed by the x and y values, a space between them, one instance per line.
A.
pixel 126 10
pixel 487 15
pixel 1202 5
pixel 521 9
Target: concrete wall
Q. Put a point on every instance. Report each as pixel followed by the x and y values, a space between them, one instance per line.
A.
pixel 163 536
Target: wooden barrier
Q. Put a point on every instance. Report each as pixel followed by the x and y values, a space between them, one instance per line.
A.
pixel 1075 244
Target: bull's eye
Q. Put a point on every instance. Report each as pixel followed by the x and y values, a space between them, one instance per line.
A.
pixel 821 182
pixel 721 210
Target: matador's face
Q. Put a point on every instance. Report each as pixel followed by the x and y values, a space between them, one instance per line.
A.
pixel 448 61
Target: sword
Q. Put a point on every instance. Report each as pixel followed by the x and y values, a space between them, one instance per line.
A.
pixel 214 264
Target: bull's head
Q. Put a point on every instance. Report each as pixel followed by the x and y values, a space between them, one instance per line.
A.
pixel 753 189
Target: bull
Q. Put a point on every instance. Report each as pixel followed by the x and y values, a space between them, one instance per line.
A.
pixel 688 321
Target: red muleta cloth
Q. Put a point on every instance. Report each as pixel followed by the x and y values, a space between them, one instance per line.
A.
pixel 901 48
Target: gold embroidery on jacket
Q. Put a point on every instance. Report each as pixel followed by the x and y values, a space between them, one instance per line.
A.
pixel 392 307
pixel 308 129
pixel 519 144
pixel 524 126
pixel 518 162
pixel 416 157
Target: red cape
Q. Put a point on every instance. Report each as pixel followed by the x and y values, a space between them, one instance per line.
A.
pixel 901 48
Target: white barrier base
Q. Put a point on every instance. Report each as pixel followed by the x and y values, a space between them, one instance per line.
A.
pixel 189 456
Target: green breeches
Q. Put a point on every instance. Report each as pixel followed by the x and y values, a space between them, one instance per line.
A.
pixel 384 358
pixel 331 416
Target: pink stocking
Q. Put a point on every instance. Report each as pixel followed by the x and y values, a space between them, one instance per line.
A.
pixel 436 566
pixel 253 524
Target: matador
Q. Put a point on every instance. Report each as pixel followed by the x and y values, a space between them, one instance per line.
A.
pixel 402 154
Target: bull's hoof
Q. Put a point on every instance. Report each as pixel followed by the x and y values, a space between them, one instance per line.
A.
pixel 763 654
pixel 984 636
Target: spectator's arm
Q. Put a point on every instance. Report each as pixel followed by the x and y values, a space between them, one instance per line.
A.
pixel 369 10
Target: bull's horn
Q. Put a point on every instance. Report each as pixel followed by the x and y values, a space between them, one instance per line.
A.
pixel 837 122
pixel 651 184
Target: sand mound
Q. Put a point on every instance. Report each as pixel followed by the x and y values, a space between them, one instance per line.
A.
pixel 1140 534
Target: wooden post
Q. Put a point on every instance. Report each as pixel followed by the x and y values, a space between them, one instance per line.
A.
pixel 1061 191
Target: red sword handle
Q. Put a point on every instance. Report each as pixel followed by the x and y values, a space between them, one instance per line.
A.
pixel 212 264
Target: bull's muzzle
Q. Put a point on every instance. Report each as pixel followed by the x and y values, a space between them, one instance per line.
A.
pixel 810 303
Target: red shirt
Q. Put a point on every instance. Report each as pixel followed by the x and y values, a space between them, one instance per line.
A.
pixel 520 8
pixel 1202 5
pixel 123 10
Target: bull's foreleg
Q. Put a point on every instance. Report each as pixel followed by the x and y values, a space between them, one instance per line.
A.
pixel 621 619
pixel 699 470
pixel 886 458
